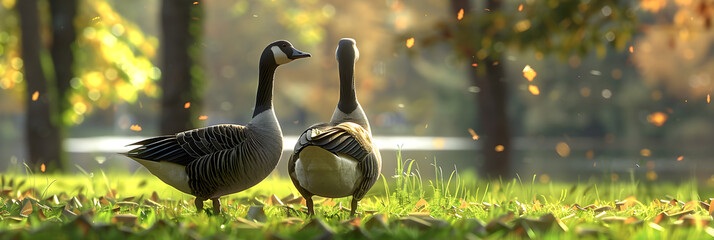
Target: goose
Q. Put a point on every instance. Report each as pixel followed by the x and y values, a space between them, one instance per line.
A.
pixel 338 158
pixel 223 159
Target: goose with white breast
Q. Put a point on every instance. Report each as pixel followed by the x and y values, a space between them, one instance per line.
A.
pixel 223 159
pixel 338 158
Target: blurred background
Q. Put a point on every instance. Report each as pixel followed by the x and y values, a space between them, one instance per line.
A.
pixel 566 90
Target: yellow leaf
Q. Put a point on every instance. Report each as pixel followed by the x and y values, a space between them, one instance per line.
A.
pixel 645 152
pixel 680 158
pixel 691 205
pixel 464 204
pixel 26 209
pixel 474 136
pixel 562 149
pixel 328 203
pixel 35 96
pixel 421 204
pixel 520 7
pixel 42 167
pixel 460 15
pixel 499 148
pixel 187 105
pixel 135 127
pixel 202 117
pixel 657 118
pixel 410 42
pixel 529 73
pixel 534 90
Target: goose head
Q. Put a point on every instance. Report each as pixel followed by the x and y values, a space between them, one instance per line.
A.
pixel 347 51
pixel 281 52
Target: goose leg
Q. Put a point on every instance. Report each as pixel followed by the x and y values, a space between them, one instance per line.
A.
pixel 310 207
pixel 216 206
pixel 354 207
pixel 199 204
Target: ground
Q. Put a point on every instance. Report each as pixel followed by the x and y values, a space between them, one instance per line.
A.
pixel 122 205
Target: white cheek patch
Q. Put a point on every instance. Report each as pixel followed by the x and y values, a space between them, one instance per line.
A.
pixel 356 52
pixel 280 57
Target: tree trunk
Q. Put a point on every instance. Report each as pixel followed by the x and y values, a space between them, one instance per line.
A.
pixel 177 83
pixel 63 36
pixel 491 101
pixel 42 121
pixel 494 120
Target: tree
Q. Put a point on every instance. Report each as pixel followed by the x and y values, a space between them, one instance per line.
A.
pixel 482 35
pixel 491 99
pixel 42 124
pixel 63 37
pixel 181 75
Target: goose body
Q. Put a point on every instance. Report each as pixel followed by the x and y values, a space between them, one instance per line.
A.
pixel 223 159
pixel 338 158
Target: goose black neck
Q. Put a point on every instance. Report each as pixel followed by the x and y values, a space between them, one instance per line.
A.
pixel 264 98
pixel 348 97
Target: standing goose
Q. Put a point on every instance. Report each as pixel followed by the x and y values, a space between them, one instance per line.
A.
pixel 223 159
pixel 338 159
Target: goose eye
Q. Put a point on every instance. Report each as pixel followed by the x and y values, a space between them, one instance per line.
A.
pixel 285 45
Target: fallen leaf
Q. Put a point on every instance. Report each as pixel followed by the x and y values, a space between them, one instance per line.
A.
pixel 460 15
pixel 537 205
pixel 202 117
pixel 680 158
pixel 128 219
pixel 26 209
pixel 187 105
pixel 43 168
pixel 691 205
pixel 520 7
pixel 273 201
pixel 35 96
pixel 474 64
pixel 632 49
pixel 154 196
pixel 328 202
pixel 464 204
pixel 628 202
pixel 420 204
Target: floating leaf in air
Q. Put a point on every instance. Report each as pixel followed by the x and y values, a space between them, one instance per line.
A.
pixel 529 73
pixel 410 42
pixel 534 89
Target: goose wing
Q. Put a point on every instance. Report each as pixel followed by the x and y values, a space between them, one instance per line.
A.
pixel 185 147
pixel 348 138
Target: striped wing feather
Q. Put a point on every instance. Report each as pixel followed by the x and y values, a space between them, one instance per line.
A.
pixel 348 138
pixel 185 147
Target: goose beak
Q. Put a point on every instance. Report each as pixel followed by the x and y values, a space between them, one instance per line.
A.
pixel 297 54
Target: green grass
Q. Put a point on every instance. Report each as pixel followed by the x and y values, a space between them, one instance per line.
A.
pixel 402 205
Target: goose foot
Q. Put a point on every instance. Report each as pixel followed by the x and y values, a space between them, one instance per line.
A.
pixel 199 204
pixel 310 207
pixel 216 206
pixel 354 207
